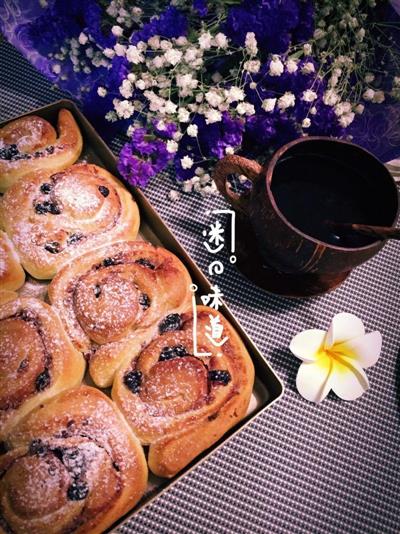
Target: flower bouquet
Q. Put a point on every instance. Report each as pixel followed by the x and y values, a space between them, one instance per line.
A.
pixel 189 81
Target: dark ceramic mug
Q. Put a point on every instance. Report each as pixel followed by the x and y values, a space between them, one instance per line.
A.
pixel 301 264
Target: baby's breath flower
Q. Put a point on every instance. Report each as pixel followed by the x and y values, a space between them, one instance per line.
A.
pixel 368 94
pixel 346 119
pixel 117 31
pixel 331 97
pixel 102 91
pixel 192 130
pixel 251 43
pixel 120 49
pixel 306 123
pixel 221 41
pixel 173 56
pixel 109 52
pixel 291 66
pixel 308 68
pixel 276 66
pixel 253 66
pixel 172 146
pixel 212 116
pixel 126 89
pixel 83 38
pixel 183 115
pixel 205 41
pixel 286 101
pixel 307 49
pixel 309 95
pixel 187 162
pixel 268 104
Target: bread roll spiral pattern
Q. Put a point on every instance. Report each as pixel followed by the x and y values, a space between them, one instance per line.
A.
pixel 73 465
pixel 53 217
pixel 37 360
pixel 180 404
pixel 111 300
pixel 12 275
pixel 30 143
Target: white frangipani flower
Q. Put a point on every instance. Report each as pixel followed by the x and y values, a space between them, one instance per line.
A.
pixel 187 162
pixel 335 359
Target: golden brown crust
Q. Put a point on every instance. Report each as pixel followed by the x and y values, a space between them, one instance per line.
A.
pixel 37 146
pixel 111 300
pixel 54 217
pixel 12 275
pixel 73 466
pixel 37 360
pixel 179 403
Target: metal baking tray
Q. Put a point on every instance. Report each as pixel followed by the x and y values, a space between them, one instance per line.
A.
pixel 268 388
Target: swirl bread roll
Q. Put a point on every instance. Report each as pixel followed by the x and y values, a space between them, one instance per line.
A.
pixel 30 143
pixel 52 218
pixel 111 300
pixel 12 275
pixel 37 360
pixel 178 403
pixel 73 465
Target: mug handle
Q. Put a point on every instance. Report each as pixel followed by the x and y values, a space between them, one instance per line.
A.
pixel 233 164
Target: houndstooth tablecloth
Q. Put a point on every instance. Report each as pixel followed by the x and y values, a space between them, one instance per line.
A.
pixel 298 468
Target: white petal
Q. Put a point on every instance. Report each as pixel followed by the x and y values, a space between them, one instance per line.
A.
pixel 344 326
pixel 307 344
pixel 313 379
pixel 364 349
pixel 348 380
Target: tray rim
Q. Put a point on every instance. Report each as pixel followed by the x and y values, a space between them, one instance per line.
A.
pixel 146 207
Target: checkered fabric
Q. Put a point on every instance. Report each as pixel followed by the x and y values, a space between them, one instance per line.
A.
pixel 298 468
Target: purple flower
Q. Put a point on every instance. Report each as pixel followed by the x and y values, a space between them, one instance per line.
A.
pixel 272 21
pixel 211 142
pixel 201 8
pixel 166 131
pixel 171 23
pixel 141 159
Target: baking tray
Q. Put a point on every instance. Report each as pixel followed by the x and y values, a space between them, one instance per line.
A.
pixel 267 386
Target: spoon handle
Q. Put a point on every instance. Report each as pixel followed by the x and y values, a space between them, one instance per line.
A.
pixel 377 232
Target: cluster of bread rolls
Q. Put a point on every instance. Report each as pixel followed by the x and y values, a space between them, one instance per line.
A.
pixel 72 459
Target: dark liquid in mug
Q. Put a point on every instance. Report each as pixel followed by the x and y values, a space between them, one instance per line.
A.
pixel 310 189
